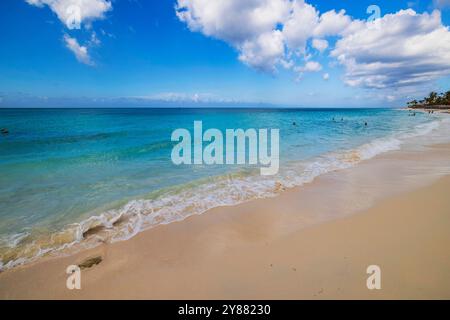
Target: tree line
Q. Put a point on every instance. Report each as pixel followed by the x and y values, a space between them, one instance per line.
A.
pixel 433 99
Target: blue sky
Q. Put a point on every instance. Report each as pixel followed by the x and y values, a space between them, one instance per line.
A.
pixel 151 53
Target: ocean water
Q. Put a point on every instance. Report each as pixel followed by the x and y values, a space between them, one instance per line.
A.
pixel 78 177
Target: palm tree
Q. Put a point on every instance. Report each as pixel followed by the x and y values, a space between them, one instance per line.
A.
pixel 432 98
pixel 447 98
pixel 412 103
pixel 439 99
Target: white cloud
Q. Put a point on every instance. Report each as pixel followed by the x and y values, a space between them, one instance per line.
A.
pixel 266 33
pixel 332 23
pixel 306 22
pixel 310 66
pixel 73 13
pixel 326 76
pixel 80 52
pixel 320 44
pixel 249 26
pixel 234 21
pixel 299 26
pixel 264 52
pixel 403 49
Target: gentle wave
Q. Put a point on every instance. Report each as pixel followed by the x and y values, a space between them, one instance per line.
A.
pixel 195 198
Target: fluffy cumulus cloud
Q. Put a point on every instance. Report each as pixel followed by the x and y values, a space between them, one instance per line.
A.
pixel 266 33
pixel 299 25
pixel 73 13
pixel 234 21
pixel 249 26
pixel 401 49
pixel 264 52
pixel 332 23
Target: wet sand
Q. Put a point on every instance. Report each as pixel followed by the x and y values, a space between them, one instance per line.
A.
pixel 313 242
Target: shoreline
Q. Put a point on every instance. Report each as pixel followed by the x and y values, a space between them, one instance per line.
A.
pixel 228 252
pixel 438 109
pixel 98 228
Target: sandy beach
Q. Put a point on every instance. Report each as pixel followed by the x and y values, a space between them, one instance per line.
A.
pixel 276 248
pixel 224 150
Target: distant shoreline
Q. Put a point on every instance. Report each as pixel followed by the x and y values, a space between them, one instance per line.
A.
pixel 437 108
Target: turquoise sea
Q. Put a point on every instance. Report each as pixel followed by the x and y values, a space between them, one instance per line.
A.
pixel 81 176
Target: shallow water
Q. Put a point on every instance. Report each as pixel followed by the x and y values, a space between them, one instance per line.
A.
pixel 80 176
